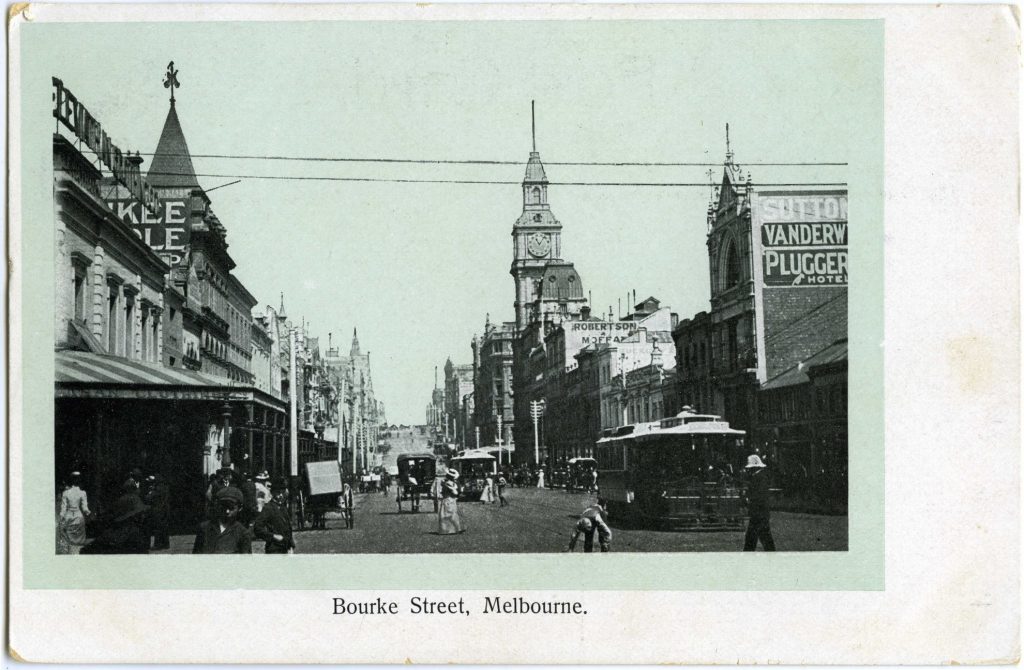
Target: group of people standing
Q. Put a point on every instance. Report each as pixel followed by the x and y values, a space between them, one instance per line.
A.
pixel 139 519
pixel 239 514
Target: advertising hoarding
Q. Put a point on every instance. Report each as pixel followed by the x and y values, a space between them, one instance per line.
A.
pixel 803 239
pixel 166 231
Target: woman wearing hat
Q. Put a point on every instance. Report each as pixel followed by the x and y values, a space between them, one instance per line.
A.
pixel 74 508
pixel 448 521
pixel 124 535
pixel 758 509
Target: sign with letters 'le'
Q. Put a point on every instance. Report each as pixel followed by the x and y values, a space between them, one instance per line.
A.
pixel 166 231
pixel 803 239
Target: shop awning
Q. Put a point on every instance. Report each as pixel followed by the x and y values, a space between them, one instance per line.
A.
pixel 81 374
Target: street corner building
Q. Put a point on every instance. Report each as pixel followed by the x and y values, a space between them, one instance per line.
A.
pixel 770 355
pixel 165 362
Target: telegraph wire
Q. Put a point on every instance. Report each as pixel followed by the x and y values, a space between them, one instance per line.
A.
pixel 495 182
pixel 424 161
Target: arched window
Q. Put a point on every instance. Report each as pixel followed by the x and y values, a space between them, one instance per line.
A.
pixel 536 195
pixel 732 266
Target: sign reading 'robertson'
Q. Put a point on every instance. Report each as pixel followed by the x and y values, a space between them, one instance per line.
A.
pixel 804 240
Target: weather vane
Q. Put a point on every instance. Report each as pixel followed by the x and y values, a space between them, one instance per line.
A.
pixel 171 79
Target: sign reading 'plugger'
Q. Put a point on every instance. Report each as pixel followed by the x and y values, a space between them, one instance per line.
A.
pixel 804 240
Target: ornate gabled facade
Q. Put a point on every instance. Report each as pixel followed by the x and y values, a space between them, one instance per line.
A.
pixel 362 415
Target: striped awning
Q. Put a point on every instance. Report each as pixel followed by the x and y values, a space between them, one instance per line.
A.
pixel 81 374
pixel 89 368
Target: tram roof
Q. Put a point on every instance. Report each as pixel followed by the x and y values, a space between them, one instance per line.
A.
pixel 421 454
pixel 474 454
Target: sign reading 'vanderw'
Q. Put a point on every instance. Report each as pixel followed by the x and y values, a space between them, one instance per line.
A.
pixel 804 240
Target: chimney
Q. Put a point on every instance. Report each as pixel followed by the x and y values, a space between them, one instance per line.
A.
pixel 585 313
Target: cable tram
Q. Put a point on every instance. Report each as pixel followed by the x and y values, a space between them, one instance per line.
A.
pixel 682 471
pixel 474 466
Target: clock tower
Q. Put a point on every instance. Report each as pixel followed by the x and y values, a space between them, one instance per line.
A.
pixel 536 238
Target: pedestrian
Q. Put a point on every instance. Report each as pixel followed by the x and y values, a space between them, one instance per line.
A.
pixel 487 494
pixel 594 519
pixel 262 490
pixel 274 525
pixel 345 504
pixel 74 511
pixel 224 534
pixel 758 507
pixel 593 480
pixel 435 489
pixel 158 498
pixel 540 478
pixel 222 480
pixel 448 521
pixel 124 535
pixel 248 513
pixel 502 483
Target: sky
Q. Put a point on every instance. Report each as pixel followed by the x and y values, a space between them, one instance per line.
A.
pixel 418 266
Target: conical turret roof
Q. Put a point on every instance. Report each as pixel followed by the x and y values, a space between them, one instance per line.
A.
pixel 172 163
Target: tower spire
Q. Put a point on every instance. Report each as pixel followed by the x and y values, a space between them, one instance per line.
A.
pixel 533 125
pixel 728 147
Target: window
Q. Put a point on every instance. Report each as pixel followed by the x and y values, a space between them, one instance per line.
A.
pixel 536 195
pixel 112 321
pixel 80 291
pixel 145 333
pixel 129 327
pixel 732 266
pixel 154 343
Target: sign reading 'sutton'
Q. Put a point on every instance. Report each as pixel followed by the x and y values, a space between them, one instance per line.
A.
pixel 803 239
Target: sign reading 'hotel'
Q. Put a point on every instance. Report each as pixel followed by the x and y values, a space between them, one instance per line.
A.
pixel 804 240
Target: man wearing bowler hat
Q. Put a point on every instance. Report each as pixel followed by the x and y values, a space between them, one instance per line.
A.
pixel 274 525
pixel 758 508
pixel 224 534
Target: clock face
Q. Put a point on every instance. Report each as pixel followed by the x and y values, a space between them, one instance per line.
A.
pixel 538 244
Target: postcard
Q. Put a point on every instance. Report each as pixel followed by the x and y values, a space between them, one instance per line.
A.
pixel 382 317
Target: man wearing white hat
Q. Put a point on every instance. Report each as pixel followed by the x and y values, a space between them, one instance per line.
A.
pixel 758 508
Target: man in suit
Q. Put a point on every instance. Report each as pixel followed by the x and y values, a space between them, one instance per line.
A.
pixel 274 525
pixel 758 507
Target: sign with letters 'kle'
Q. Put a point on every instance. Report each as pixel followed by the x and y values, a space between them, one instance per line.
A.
pixel 166 231
pixel 803 239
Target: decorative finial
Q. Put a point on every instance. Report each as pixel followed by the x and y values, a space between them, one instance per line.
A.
pixel 533 126
pixel 728 147
pixel 171 80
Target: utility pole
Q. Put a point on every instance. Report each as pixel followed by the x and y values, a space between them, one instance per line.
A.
pixel 536 411
pixel 500 441
pixel 293 415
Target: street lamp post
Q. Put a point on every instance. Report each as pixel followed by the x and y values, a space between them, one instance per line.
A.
pixel 536 411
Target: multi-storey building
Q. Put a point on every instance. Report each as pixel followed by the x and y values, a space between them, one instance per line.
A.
pixel 128 392
pixel 778 265
pixel 548 290
pixel 492 384
pixel 458 383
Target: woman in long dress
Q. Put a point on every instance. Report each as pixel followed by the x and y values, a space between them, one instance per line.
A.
pixel 487 495
pixel 540 478
pixel 74 508
pixel 448 521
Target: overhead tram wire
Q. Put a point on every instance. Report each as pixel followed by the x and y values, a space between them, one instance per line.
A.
pixel 496 182
pixel 439 161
